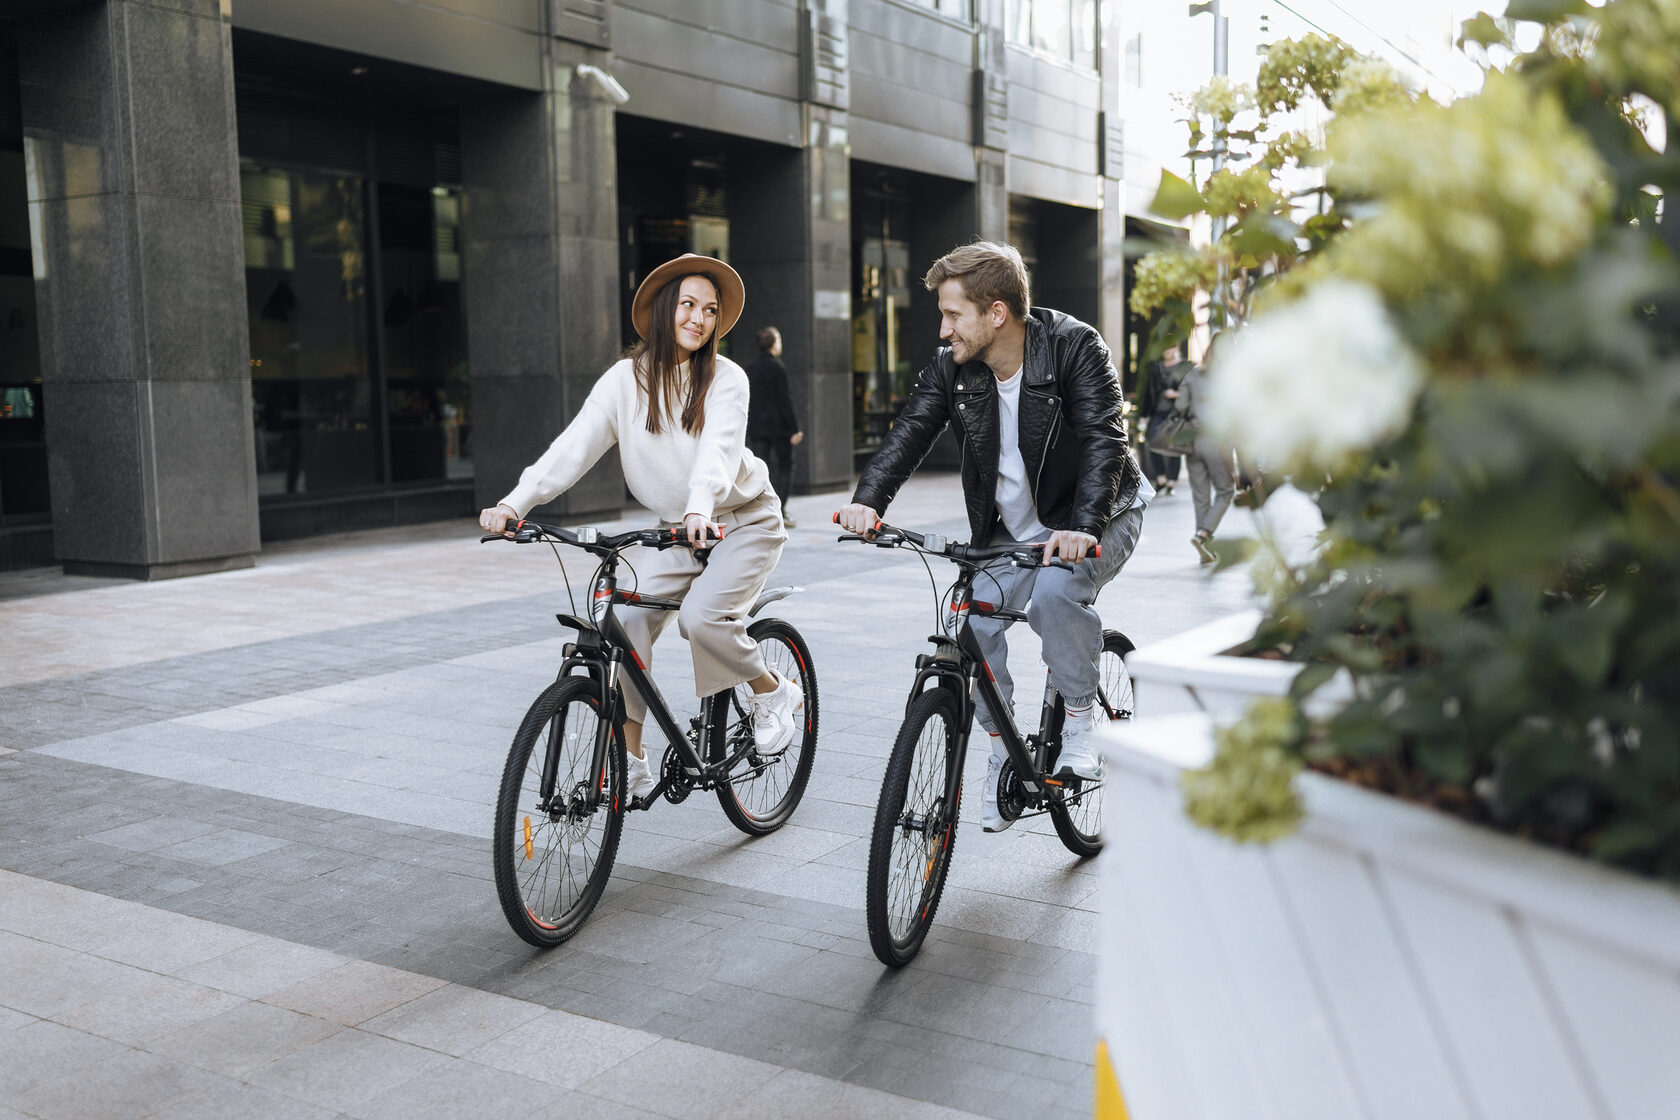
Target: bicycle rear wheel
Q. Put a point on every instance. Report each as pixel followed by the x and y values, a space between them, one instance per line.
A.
pixel 1078 814
pixel 915 829
pixel 554 853
pixel 763 790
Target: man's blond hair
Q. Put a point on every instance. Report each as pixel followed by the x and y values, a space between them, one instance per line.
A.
pixel 988 273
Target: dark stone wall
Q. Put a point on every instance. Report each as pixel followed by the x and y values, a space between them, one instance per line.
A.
pixel 140 286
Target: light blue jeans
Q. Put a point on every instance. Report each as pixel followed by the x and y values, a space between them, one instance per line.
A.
pixel 1060 612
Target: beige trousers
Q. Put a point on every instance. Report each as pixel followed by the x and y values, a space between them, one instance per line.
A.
pixel 716 597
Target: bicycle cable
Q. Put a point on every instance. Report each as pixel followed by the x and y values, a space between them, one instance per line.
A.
pixel 564 578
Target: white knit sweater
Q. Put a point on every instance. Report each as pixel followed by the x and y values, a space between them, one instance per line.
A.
pixel 672 473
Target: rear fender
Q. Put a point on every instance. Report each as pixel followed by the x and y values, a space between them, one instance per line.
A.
pixel 770 596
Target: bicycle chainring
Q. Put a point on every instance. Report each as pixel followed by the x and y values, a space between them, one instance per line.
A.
pixel 678 784
pixel 1011 795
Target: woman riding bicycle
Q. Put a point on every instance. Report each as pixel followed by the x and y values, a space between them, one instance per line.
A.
pixel 678 412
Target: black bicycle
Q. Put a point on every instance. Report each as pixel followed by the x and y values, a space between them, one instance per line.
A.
pixel 916 817
pixel 562 800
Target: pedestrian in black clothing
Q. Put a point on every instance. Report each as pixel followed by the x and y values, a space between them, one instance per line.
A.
pixel 772 429
pixel 1155 402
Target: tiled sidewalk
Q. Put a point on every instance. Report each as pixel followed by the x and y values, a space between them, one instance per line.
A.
pixel 116 1009
pixel 242 810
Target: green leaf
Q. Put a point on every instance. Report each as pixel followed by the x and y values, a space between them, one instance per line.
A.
pixel 1627 838
pixel 1309 679
pixel 1175 199
pixel 1483 29
pixel 1544 11
pixel 1262 236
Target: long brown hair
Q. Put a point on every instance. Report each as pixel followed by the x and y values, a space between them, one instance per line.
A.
pixel 656 359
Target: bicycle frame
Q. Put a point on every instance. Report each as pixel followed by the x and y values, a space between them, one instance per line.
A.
pixel 958 664
pixel 600 650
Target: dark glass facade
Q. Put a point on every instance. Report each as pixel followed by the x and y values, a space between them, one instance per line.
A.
pixel 24 495
pixel 386 254
pixel 351 215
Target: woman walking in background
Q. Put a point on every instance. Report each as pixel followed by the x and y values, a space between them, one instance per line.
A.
pixel 1209 462
pixel 1155 403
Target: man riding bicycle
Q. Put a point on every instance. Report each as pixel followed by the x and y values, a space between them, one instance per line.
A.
pixel 1037 408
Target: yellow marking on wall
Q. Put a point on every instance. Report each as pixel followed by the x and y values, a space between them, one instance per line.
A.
pixel 1110 1104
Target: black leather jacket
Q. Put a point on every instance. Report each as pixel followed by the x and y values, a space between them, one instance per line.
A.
pixel 1072 433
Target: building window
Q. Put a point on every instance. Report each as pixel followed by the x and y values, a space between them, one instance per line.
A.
pixel 956 9
pixel 1062 29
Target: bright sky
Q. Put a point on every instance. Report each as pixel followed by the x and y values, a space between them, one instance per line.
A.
pixel 1176 57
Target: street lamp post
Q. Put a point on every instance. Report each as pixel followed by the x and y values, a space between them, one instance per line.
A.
pixel 1221 68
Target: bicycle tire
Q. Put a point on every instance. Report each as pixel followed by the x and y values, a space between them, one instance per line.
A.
pixel 914 840
pixel 762 802
pixel 534 850
pixel 1079 821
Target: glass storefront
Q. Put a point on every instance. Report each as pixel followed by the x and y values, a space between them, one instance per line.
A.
pixel 312 388
pixel 359 376
pixel 673 198
pixel 881 278
pixel 427 394
pixel 23 446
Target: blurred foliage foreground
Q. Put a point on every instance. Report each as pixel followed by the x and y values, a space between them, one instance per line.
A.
pixel 1473 347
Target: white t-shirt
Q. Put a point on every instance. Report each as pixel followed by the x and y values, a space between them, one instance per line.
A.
pixel 1014 496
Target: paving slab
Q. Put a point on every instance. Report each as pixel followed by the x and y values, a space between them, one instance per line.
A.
pixel 244 825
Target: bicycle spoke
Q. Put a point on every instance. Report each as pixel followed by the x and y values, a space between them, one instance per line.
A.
pixel 916 847
pixel 761 791
pixel 565 846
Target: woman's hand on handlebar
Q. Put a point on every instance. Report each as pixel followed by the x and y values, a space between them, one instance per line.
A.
pixel 495 519
pixel 858 518
pixel 696 528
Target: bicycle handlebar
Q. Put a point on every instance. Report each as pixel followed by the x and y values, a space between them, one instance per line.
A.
pixel 1022 553
pixel 592 539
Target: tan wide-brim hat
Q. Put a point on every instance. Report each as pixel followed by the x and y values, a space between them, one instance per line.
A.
pixel 732 294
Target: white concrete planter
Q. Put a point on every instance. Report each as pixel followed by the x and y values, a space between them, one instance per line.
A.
pixel 1195 672
pixel 1387 961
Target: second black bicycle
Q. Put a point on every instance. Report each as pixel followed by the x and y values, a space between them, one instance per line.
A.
pixel 916 816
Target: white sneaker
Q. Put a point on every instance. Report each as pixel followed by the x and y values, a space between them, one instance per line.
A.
pixel 990 819
pixel 1079 755
pixel 639 778
pixel 776 716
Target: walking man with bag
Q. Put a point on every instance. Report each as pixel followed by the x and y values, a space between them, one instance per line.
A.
pixel 1037 408
pixel 772 428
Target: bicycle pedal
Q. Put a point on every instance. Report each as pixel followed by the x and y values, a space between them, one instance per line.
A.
pixel 1069 781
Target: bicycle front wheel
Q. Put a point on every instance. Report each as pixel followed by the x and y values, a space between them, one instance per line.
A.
pixel 554 845
pixel 1078 814
pixel 762 791
pixel 915 829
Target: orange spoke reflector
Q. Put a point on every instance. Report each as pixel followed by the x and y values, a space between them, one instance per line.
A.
pixel 527 837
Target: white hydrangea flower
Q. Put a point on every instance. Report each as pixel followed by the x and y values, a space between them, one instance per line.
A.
pixel 1313 381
